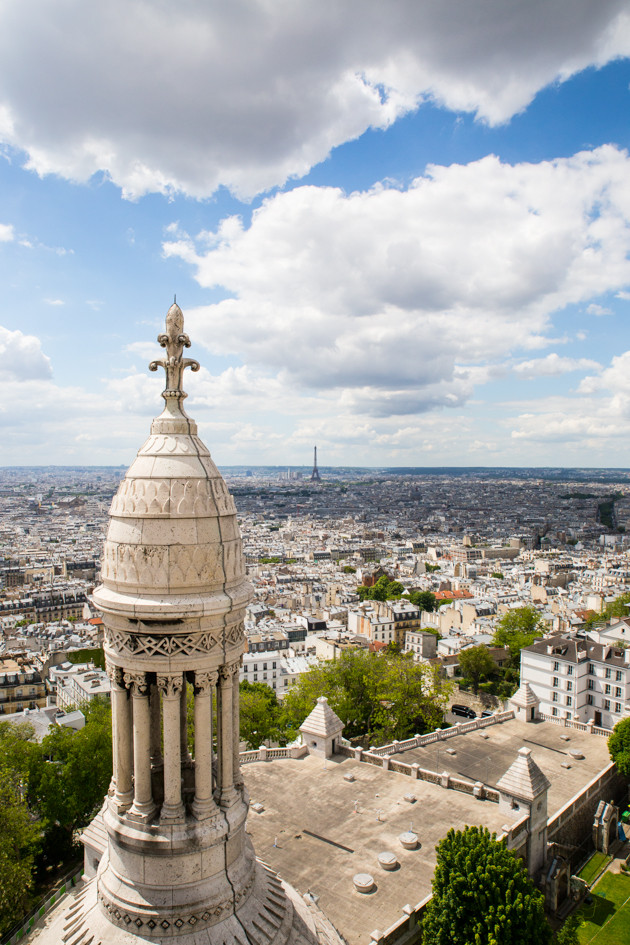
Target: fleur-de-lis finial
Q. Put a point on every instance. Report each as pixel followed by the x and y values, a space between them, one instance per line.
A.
pixel 174 340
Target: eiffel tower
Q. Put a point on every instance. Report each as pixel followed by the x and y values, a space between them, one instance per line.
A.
pixel 315 477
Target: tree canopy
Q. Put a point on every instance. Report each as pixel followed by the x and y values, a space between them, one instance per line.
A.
pixel 380 696
pixel 476 663
pixel 517 629
pixel 482 895
pixel 619 746
pixel 383 589
pixel 260 712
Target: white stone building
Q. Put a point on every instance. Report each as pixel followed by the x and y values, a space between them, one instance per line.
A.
pixel 80 683
pixel 578 679
pixel 278 672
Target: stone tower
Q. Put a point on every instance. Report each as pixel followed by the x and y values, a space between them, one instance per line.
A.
pixel 178 866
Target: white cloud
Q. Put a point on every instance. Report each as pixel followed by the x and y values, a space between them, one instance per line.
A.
pixel 21 357
pixel 7 233
pixel 188 96
pixel 400 301
pixel 595 309
pixel 54 302
pixel 553 366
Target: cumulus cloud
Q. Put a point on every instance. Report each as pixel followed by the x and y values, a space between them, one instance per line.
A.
pixel 400 300
pixel 553 366
pixel 21 357
pixel 188 96
pixel 7 233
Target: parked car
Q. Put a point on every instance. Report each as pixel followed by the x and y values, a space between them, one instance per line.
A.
pixel 486 714
pixel 463 710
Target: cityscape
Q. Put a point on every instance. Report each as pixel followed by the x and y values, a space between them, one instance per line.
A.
pixel 315 472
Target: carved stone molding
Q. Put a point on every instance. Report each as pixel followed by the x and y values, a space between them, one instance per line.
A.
pixel 170 686
pixel 157 925
pixel 205 682
pixel 141 644
pixel 138 683
pixel 184 498
pixel 162 566
pixel 116 675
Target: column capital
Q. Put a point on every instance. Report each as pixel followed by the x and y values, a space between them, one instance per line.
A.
pixel 229 669
pixel 137 682
pixel 204 682
pixel 170 686
pixel 115 674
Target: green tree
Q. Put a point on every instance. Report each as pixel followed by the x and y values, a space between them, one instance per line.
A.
pixel 260 714
pixel 619 746
pixel 516 629
pixel 348 569
pixel 75 778
pixel 380 696
pixel 569 934
pixel 476 664
pixel 20 842
pixel 384 589
pixel 425 600
pixel 482 895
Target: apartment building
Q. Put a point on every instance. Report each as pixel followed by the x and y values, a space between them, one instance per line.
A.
pixel 77 684
pixel 21 685
pixel 578 679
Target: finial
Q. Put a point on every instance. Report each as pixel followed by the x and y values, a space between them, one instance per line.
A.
pixel 174 340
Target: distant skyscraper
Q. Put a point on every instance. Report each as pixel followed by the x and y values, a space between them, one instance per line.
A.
pixel 315 477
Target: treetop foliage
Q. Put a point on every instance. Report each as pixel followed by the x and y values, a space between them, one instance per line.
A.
pixel 517 629
pixel 381 696
pixel 619 746
pixel 482 895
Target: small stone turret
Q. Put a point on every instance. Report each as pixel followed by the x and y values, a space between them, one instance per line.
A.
pixel 321 730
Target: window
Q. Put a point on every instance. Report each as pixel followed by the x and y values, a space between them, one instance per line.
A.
pixel 570 670
pixel 618 692
pixel 618 675
pixel 608 688
pixel 608 672
pixel 555 681
pixel 556 666
pixel 264 666
pixel 274 664
pixel 245 668
pixel 589 700
pixel 591 669
pixel 554 696
pixel 607 704
pixel 591 684
pixel 617 707
pixel 554 711
pixel 569 686
pixel 255 667
pixel 569 700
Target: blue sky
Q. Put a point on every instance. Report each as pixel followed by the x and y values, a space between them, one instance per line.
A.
pixel 399 231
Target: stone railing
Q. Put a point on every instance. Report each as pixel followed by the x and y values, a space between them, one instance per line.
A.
pixel 414 771
pixel 266 754
pixel 441 734
pixel 406 929
pixel 594 788
pixel 589 727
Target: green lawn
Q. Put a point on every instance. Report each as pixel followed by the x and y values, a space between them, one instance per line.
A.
pixel 594 866
pixel 606 921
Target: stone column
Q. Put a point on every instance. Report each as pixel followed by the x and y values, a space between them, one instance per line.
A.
pixel 143 806
pixel 236 724
pixel 171 687
pixel 226 735
pixel 183 725
pixel 204 804
pixel 122 740
pixel 156 726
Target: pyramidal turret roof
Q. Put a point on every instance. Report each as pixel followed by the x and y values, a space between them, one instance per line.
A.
pixel 525 696
pixel 524 779
pixel 322 721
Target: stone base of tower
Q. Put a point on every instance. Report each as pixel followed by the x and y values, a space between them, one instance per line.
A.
pixel 271 914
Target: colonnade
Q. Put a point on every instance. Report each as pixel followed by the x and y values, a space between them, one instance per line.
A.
pixel 149 729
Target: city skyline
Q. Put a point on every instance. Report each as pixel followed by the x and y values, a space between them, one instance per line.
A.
pixel 402 234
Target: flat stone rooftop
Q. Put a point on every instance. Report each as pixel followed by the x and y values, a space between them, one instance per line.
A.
pixel 308 794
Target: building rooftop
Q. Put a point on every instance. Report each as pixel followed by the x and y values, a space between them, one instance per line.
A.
pixel 320 843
